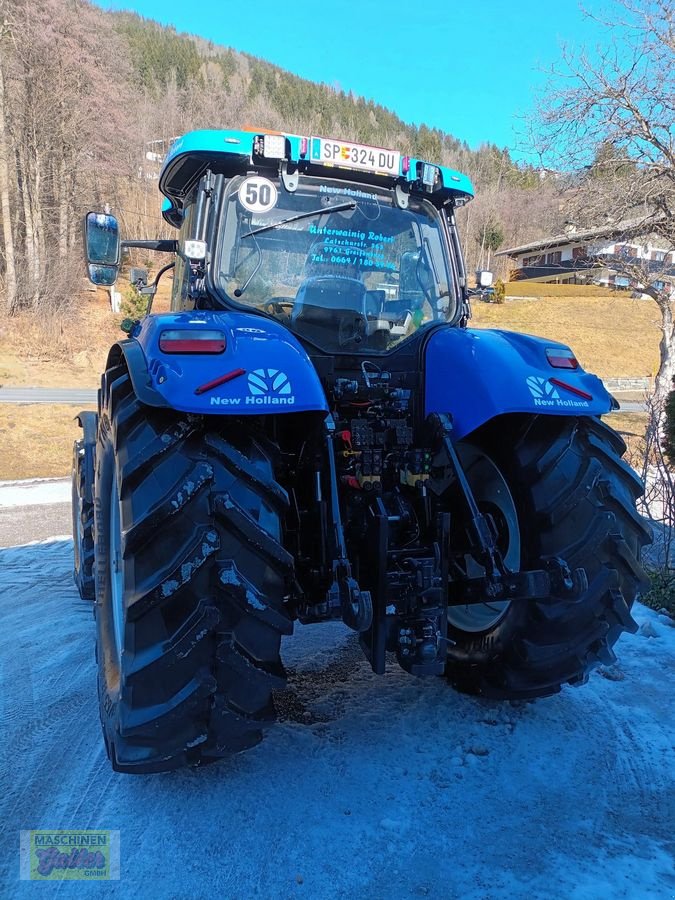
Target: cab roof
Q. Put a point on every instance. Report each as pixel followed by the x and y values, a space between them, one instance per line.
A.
pixel 237 152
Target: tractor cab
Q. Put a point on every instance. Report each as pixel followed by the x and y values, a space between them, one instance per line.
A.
pixel 346 273
pixel 348 246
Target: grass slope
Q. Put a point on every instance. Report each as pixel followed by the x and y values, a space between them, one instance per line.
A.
pixel 36 440
pixel 611 334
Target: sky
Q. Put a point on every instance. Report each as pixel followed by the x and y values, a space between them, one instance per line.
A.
pixel 469 68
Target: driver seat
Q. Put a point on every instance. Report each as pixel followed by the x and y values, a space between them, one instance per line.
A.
pixel 325 303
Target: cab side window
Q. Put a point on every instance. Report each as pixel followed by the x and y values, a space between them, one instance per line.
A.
pixel 180 299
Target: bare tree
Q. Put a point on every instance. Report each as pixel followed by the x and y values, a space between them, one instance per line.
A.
pixel 607 117
pixel 5 203
pixel 63 135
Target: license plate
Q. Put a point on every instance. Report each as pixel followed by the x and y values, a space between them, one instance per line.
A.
pixel 354 156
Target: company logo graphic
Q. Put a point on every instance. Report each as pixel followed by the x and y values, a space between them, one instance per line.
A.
pixel 262 382
pixel 269 387
pixel 541 388
pixel 546 394
pixel 70 855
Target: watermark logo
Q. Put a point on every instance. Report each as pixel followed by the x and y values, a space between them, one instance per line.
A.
pixel 70 855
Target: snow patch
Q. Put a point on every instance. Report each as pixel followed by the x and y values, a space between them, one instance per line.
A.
pixel 34 492
pixel 381 782
pixel 394 825
pixel 229 576
pixel 648 630
pixel 169 587
pixel 253 601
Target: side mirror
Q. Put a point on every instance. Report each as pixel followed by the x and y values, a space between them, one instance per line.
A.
pixel 484 278
pixel 102 248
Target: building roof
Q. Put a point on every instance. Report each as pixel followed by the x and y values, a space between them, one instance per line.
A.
pixel 611 229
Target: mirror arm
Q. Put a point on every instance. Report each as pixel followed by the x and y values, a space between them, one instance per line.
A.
pixel 161 246
pixel 151 290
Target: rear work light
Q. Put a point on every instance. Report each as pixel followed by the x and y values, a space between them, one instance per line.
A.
pixel 561 358
pixel 189 340
pixel 270 146
pixel 195 250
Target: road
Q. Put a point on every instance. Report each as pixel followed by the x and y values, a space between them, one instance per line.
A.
pixel 83 397
pixel 77 396
pixel 368 787
pixel 631 407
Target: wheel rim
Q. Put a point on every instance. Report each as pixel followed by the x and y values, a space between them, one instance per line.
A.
pixel 116 570
pixel 493 497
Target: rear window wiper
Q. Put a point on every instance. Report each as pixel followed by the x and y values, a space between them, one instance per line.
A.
pixel 305 215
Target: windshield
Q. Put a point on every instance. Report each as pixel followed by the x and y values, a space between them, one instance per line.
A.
pixel 339 264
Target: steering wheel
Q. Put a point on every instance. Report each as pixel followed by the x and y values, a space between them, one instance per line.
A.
pixel 275 305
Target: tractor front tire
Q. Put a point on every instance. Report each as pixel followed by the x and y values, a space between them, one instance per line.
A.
pixel 575 500
pixel 191 578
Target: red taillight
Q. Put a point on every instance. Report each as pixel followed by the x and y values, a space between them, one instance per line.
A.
pixel 189 340
pixel 561 358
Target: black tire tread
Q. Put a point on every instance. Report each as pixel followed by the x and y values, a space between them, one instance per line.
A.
pixel 207 578
pixel 579 498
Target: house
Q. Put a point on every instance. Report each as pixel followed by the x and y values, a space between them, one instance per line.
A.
pixel 598 255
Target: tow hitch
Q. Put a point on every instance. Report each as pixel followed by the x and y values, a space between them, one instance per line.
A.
pixel 538 584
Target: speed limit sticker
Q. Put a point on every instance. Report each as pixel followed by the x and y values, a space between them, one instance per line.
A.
pixel 257 194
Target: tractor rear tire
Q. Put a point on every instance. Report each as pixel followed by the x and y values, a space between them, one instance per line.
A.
pixel 83 523
pixel 575 499
pixel 191 580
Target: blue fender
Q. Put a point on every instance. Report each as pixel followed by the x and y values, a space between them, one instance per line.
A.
pixel 263 368
pixel 478 374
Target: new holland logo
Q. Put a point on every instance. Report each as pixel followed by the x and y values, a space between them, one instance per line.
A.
pixel 269 387
pixel 542 389
pixel 546 394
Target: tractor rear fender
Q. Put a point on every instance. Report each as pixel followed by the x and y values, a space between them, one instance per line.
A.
pixel 478 374
pixel 88 421
pixel 260 367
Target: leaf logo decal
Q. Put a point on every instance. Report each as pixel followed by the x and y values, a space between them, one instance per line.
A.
pixel 268 382
pixel 542 388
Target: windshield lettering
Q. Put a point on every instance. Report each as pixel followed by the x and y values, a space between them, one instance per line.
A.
pixel 354 276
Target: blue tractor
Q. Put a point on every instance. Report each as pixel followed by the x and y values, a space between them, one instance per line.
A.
pixel 314 433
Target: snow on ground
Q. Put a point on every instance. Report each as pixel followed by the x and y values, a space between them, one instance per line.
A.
pixel 34 492
pixel 368 787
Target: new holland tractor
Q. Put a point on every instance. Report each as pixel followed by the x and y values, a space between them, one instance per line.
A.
pixel 314 433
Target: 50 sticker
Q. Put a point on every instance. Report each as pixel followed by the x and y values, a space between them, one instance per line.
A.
pixel 258 194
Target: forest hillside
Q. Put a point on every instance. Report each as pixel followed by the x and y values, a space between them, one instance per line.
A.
pixel 86 94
